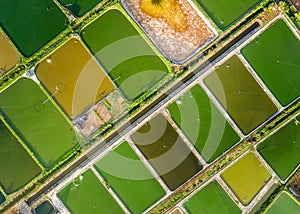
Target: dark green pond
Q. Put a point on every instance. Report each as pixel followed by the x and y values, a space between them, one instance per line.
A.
pixel 166 152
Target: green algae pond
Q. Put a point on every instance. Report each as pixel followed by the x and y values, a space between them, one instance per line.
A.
pixel 274 55
pixel 246 177
pixel 285 203
pixel 88 195
pixel 210 200
pixel 281 149
pixel 166 152
pixel 126 174
pixel 32 24
pixel 38 122
pixel 79 7
pixel 203 124
pixel 17 167
pixel 134 67
pixel 225 12
pixel 240 94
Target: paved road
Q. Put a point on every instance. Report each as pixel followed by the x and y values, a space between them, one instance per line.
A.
pixel 157 103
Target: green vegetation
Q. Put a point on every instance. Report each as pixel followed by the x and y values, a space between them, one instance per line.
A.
pixel 79 7
pixel 203 124
pixel 88 196
pixel 166 152
pixel 246 177
pixel 225 12
pixel 275 57
pixel 210 200
pixel 134 67
pixel 17 168
pixel 126 174
pixel 284 204
pixel 281 150
pixel 44 208
pixel 240 95
pixel 32 24
pixel 43 128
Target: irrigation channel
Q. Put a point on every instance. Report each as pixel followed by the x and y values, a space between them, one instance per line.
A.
pixel 156 104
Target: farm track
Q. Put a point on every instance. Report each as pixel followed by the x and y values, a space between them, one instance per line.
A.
pixel 117 134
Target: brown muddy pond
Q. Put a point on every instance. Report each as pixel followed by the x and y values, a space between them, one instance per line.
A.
pixel 175 26
pixel 8 55
pixel 166 152
pixel 74 78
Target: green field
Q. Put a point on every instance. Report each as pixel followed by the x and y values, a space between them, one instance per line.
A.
pixel 225 12
pixel 134 66
pixel 284 204
pixel 282 149
pixel 17 168
pixel 31 24
pixel 203 124
pixel 79 7
pixel 275 57
pixel 210 200
pixel 88 196
pixel 44 208
pixel 246 177
pixel 37 121
pixel 125 173
pixel 240 94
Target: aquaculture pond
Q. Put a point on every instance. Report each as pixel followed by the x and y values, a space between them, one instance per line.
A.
pixel 246 177
pixel 285 203
pixel 126 174
pixel 210 200
pixel 8 55
pixel 79 7
pixel 166 152
pixel 86 194
pixel 203 124
pixel 225 12
pixel 44 208
pixel 274 55
pixel 281 149
pixel 38 122
pixel 74 78
pixel 128 59
pixel 175 26
pixel 2 198
pixel 17 167
pixel 240 94
pixel 31 24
